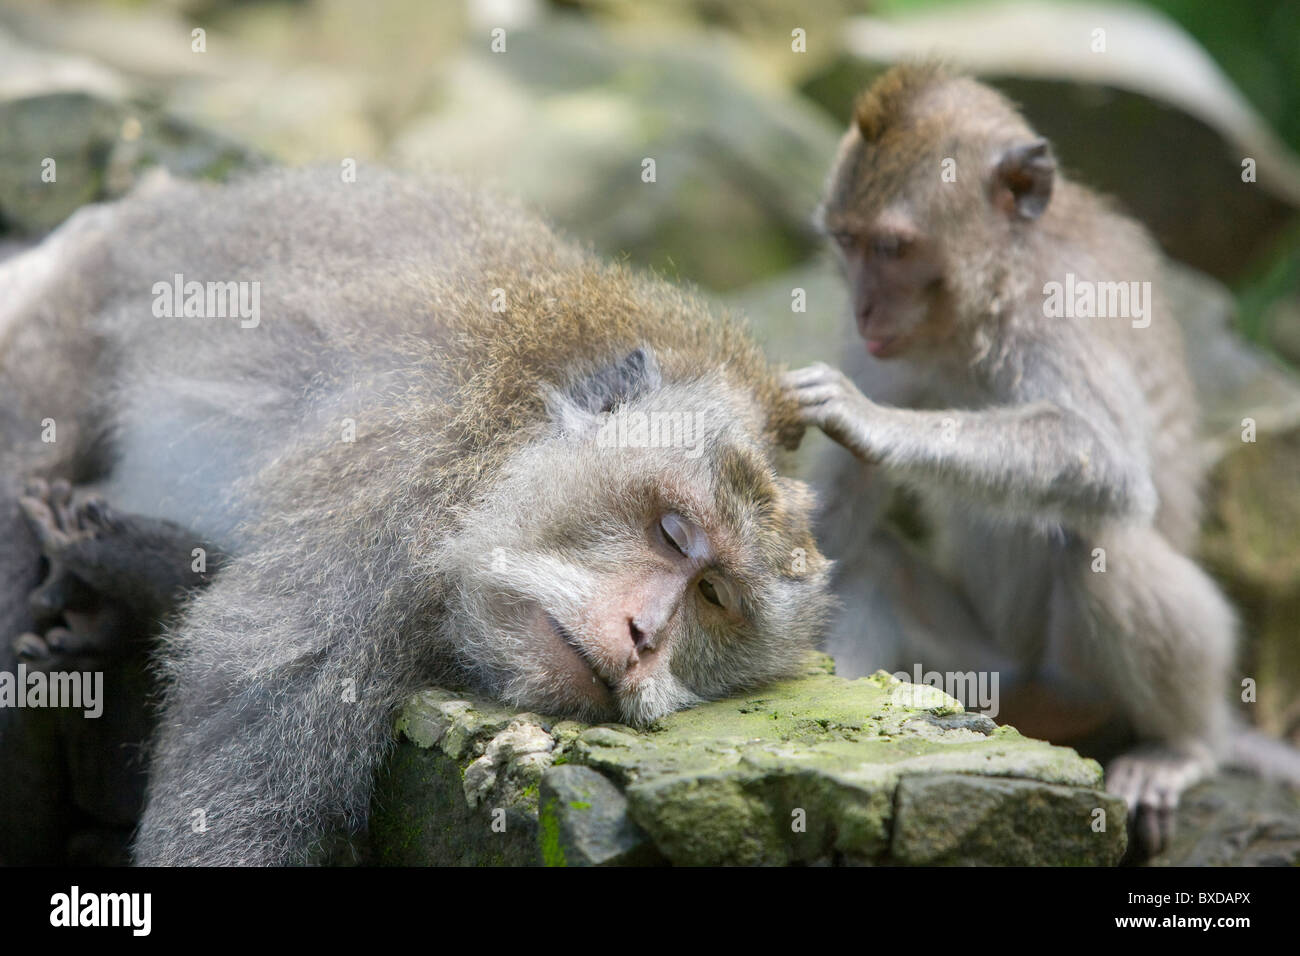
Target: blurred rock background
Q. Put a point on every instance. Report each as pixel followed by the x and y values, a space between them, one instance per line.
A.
pixel 739 105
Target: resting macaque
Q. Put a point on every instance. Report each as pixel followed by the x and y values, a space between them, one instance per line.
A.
pixel 434 444
pixel 1049 446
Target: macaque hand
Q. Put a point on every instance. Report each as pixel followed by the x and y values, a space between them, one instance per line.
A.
pixel 828 399
pixel 1151 781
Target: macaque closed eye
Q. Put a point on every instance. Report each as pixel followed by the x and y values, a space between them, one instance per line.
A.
pixel 719 591
pixel 682 536
pixel 689 541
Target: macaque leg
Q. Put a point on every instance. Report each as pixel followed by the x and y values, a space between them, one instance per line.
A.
pixel 898 612
pixel 1162 644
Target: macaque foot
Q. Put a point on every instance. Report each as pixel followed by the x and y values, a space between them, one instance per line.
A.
pixel 79 607
pixel 59 524
pixel 59 519
pixel 101 559
pixel 1151 781
pixel 828 399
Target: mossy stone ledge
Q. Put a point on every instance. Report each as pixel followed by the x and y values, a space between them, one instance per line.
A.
pixel 814 770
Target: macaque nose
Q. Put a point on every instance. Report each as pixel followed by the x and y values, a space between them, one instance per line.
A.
pixel 648 614
pixel 641 639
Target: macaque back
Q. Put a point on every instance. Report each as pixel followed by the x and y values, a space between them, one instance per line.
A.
pixel 434 443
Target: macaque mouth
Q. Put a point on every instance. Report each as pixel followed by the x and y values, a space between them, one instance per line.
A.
pixel 878 345
pixel 564 634
pixel 884 345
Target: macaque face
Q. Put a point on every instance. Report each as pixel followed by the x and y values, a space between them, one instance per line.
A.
pixel 640 580
pixel 616 646
pixel 895 280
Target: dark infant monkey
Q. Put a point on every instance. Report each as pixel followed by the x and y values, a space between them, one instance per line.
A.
pixel 110 581
pixel 433 443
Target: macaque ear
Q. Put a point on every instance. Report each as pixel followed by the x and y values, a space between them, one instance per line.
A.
pixel 1022 181
pixel 577 408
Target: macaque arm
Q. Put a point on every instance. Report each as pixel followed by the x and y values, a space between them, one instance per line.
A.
pixel 275 718
pixel 1038 456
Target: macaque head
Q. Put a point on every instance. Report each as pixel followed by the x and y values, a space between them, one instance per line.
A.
pixel 639 554
pixel 936 178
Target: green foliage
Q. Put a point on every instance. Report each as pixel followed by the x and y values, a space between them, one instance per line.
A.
pixel 1278 278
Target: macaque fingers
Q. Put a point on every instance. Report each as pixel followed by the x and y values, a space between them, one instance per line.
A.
pixel 44 522
pixel 1151 781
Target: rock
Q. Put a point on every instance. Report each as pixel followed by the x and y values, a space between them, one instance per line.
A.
pixel 584 821
pixel 797 338
pixel 476 768
pixel 82 119
pixel 1234 380
pixel 959 820
pixel 765 25
pixel 139 43
pixel 26 71
pixel 811 770
pixel 457 726
pixel 511 767
pixel 1249 544
pixel 299 116
pixel 75 132
pixel 1236 820
pixel 734 155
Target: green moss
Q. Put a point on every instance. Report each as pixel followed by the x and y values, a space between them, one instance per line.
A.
pixel 548 836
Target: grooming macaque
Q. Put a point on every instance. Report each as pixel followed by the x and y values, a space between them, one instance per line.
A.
pixel 1052 457
pixel 406 466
